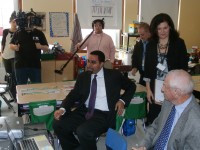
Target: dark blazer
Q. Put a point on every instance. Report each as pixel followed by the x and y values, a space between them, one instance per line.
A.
pixel 114 83
pixel 176 58
pixel 186 133
pixel 137 60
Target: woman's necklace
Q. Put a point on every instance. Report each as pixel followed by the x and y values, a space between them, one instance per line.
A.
pixel 162 48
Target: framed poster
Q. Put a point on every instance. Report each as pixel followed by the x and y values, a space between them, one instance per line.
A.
pixel 59 24
pixel 110 10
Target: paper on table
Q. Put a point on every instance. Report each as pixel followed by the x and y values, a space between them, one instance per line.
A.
pixel 159 96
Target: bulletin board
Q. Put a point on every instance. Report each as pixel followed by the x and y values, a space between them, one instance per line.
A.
pixel 59 24
pixel 110 10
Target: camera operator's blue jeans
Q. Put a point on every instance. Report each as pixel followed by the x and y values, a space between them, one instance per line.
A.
pixel 23 74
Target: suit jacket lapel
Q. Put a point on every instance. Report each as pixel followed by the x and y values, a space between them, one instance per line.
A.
pixel 178 128
pixel 87 83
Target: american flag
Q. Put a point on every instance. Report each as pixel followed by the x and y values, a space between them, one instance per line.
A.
pixel 76 35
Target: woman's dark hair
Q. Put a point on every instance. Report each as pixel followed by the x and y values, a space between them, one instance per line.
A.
pixel 100 55
pixel 13 16
pixel 101 21
pixel 162 17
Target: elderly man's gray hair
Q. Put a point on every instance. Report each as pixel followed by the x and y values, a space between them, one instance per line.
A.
pixel 182 80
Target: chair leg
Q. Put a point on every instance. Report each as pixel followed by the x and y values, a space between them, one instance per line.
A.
pixel 8 103
pixel 11 96
pixel 143 123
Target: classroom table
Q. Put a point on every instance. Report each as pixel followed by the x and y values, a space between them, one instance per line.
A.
pixel 41 92
pixel 46 91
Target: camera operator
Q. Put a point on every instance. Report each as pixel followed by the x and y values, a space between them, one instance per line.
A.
pixel 27 42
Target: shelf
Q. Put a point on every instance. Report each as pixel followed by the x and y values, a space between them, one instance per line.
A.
pixel 130 35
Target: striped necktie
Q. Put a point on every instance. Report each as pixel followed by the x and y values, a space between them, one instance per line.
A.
pixel 164 136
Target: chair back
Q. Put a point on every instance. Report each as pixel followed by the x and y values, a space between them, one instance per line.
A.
pixel 43 111
pixel 115 141
pixel 137 109
pixel 5 87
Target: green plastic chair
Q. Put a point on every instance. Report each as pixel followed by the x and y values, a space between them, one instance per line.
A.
pixel 134 110
pixel 43 111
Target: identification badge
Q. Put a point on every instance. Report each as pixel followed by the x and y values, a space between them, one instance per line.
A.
pixel 161 67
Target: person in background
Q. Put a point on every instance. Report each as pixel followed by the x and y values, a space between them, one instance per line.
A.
pixel 99 41
pixel 184 113
pixel 7 54
pixel 108 102
pixel 165 51
pixel 27 44
pixel 139 51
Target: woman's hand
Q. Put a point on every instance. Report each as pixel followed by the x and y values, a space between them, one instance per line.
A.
pixel 150 96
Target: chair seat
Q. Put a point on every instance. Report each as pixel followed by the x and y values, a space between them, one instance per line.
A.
pixel 115 141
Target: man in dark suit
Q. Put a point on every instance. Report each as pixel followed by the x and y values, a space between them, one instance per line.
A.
pixel 139 51
pixel 184 133
pixel 108 102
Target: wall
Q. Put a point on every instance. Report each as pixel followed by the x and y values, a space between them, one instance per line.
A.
pixel 131 9
pixel 130 12
pixel 189 22
pixel 188 25
pixel 52 6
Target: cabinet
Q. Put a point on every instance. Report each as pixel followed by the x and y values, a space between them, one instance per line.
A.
pixel 48 71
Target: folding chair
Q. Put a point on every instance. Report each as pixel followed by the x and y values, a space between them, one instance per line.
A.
pixel 115 141
pixel 137 109
pixel 43 111
pixel 5 89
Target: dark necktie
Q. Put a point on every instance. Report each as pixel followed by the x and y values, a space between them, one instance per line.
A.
pixel 164 136
pixel 92 99
pixel 143 54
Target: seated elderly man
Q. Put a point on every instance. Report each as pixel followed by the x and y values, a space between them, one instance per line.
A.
pixel 177 126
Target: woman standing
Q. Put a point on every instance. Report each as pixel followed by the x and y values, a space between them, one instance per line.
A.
pixel 166 51
pixel 8 55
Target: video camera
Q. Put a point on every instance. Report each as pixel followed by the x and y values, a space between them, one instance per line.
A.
pixel 28 20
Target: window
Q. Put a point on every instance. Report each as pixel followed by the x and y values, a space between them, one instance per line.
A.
pixel 6 9
pixel 111 11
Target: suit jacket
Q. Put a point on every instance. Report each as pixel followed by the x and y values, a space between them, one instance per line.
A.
pixel 137 60
pixel 114 83
pixel 186 132
pixel 176 58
